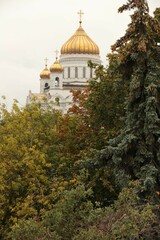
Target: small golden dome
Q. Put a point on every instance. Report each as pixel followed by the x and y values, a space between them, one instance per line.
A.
pixel 80 42
pixel 56 67
pixel 45 74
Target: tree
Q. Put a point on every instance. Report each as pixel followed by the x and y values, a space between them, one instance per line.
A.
pixel 36 161
pixel 101 105
pixel 74 217
pixel 23 165
pixel 32 230
pixel 106 100
pixel 135 152
pixel 99 111
pixel 157 17
pixel 71 213
pixel 125 219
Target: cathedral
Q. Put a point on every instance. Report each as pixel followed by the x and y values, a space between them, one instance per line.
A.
pixel 70 71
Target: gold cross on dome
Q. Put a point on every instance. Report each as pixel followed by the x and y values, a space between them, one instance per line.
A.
pixel 46 60
pixel 80 16
pixel 56 54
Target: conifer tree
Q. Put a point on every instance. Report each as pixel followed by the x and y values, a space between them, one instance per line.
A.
pixel 135 152
pixel 157 16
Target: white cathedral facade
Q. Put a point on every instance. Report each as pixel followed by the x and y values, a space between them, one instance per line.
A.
pixel 71 71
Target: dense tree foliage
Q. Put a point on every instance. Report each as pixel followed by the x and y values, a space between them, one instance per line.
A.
pixel 75 218
pixel 38 154
pixel 101 107
pixel 92 173
pixel 134 154
pixel 41 154
pixel 157 17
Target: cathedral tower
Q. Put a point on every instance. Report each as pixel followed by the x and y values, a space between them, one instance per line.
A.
pixel 71 71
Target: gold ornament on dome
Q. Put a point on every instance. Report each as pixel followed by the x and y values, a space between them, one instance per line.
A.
pixel 80 16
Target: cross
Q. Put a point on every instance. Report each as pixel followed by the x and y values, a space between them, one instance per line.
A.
pixel 46 60
pixel 80 16
pixel 56 54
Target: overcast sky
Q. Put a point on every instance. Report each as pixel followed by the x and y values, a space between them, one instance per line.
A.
pixel 31 30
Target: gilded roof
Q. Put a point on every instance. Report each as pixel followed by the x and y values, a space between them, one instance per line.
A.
pixel 56 67
pixel 45 74
pixel 80 42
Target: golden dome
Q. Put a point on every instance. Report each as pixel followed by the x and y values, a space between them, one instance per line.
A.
pixel 56 67
pixel 45 74
pixel 80 42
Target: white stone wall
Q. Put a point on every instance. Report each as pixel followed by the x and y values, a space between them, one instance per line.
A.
pixel 53 77
pixel 42 84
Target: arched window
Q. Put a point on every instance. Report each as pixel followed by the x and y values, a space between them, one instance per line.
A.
pixel 57 81
pixel 46 86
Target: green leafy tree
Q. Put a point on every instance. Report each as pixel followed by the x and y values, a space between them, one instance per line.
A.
pixel 125 219
pixel 100 111
pixel 24 167
pixel 37 161
pixel 74 217
pixel 105 104
pixel 71 213
pixel 32 230
pixel 101 106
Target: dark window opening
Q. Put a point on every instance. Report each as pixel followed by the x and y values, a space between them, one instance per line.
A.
pixel 76 72
pixel 57 81
pixel 84 72
pixel 69 72
pixel 91 75
pixel 46 86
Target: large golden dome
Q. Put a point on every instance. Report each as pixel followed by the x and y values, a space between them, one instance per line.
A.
pixel 80 42
pixel 45 74
pixel 56 67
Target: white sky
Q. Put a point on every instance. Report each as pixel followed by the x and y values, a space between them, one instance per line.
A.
pixel 31 30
